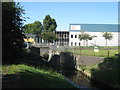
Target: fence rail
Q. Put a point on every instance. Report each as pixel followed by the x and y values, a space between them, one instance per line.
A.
pixel 83 51
pixel 89 51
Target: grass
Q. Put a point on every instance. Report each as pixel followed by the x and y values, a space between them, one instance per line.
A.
pixel 89 68
pixel 89 51
pixel 23 76
pixel 107 71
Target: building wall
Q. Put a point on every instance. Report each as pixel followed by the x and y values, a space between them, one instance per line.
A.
pixel 73 40
pixel 63 38
pixel 93 29
pixel 99 40
pixel 66 40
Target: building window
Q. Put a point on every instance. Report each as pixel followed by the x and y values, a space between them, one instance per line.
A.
pixel 75 36
pixel 71 43
pixel 65 36
pixel 75 43
pixel 62 36
pixel 79 44
pixel 71 36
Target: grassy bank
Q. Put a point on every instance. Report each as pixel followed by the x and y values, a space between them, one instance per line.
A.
pixel 89 51
pixel 23 76
pixel 107 71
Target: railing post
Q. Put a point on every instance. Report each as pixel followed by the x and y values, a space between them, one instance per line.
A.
pixel 108 52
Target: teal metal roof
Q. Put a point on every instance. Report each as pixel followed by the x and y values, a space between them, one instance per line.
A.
pixel 98 27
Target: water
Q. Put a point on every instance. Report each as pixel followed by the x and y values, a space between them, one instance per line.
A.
pixel 79 79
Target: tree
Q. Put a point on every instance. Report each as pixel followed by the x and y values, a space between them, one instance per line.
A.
pixel 81 37
pixel 49 24
pixel 50 36
pixel 12 37
pixel 107 36
pixel 91 37
pixel 86 37
pixel 33 28
pixel 28 28
pixel 38 27
pixel 49 27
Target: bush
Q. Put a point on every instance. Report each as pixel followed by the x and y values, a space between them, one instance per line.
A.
pixel 108 70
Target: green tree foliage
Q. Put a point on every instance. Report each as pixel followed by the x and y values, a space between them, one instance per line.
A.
pixel 38 27
pixel 28 28
pixel 45 31
pixel 12 37
pixel 49 27
pixel 107 36
pixel 50 36
pixel 108 71
pixel 86 37
pixel 34 28
pixel 49 24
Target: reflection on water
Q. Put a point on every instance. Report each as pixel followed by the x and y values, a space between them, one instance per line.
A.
pixel 78 78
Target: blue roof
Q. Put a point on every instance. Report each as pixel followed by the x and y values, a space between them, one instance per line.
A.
pixel 98 27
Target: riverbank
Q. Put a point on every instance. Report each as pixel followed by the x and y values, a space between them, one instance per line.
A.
pixel 105 73
pixel 24 76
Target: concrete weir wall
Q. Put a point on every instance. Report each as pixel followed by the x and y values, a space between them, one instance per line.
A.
pixel 68 60
pixel 35 50
pixel 44 50
pixel 40 50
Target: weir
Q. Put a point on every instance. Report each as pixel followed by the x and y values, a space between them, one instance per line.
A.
pixel 68 63
pixel 62 61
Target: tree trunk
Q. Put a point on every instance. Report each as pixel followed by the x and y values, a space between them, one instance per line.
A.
pixel 106 42
pixel 84 43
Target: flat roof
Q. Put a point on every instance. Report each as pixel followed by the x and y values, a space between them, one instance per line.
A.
pixel 98 27
pixel 62 30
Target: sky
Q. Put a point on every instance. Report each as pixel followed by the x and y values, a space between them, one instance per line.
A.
pixel 66 13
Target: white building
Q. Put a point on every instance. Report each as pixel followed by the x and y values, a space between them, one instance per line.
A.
pixel 99 40
pixel 92 29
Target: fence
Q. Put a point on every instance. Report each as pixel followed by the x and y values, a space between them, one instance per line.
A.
pixel 100 51
pixel 90 51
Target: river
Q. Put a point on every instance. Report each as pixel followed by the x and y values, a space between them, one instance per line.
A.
pixel 80 80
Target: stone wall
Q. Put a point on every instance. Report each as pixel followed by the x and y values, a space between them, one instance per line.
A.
pixel 44 50
pixel 68 61
pixel 35 50
pixel 55 62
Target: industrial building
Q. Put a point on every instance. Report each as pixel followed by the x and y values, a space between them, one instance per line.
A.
pixel 92 29
pixel 70 37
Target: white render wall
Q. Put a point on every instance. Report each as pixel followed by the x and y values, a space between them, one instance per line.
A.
pixel 99 40
pixel 73 40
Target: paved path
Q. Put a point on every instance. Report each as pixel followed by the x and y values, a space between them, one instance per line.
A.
pixel 88 60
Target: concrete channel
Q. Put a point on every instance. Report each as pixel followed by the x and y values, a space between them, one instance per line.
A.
pixel 81 80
